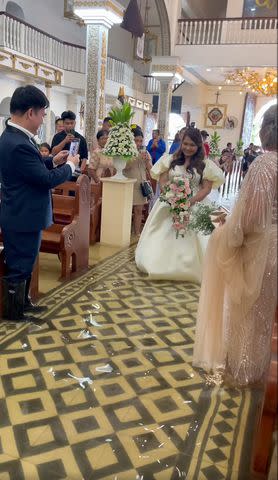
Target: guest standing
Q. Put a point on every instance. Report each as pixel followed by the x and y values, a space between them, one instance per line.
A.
pixel 26 180
pixel 138 168
pixel 156 146
pixel 176 144
pixel 45 150
pixel 62 140
pixel 100 163
pixel 59 125
pixel 239 290
pixel 205 136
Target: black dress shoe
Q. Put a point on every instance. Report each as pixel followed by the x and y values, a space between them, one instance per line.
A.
pixel 29 306
pixel 35 309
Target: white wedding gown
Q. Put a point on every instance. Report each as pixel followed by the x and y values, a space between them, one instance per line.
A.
pixel 159 253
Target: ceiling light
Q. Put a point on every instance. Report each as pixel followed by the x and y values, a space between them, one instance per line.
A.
pixel 99 15
pixel 162 74
pixel 220 88
pixel 208 69
pixel 266 85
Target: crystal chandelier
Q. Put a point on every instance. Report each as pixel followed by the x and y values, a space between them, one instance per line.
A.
pixel 254 82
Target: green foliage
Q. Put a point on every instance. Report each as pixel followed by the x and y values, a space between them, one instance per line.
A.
pixel 239 148
pixel 121 114
pixel 200 220
pixel 214 145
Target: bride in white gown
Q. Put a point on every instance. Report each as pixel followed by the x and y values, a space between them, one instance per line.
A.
pixel 159 253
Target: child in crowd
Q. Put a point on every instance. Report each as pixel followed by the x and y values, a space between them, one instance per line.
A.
pixel 45 150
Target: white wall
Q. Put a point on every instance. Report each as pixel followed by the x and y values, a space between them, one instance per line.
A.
pixel 48 15
pixel 234 8
pixel 235 105
pixel 121 44
pixel 195 99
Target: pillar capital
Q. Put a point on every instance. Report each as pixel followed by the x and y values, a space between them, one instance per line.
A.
pixel 166 69
pixel 101 12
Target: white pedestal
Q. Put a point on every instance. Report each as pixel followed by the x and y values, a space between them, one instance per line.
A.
pixel 116 213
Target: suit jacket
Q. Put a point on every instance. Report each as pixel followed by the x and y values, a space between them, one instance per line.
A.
pixel 26 183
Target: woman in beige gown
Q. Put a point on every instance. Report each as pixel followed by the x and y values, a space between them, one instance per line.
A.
pixel 137 169
pixel 239 290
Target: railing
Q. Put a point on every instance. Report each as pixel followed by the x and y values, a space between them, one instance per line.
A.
pixel 227 31
pixel 153 85
pixel 23 38
pixel 28 40
pixel 119 72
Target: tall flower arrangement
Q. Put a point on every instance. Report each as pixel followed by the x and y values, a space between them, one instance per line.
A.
pixel 120 141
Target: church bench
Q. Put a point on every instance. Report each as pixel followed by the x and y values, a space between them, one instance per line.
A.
pixel 65 216
pixel 267 418
pixel 68 237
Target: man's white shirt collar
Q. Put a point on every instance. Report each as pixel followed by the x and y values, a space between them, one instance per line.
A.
pixel 19 127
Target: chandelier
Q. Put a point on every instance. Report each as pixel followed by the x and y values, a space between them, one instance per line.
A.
pixel 254 82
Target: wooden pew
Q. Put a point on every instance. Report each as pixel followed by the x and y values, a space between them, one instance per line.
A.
pixel 68 237
pixel 64 218
pixel 95 212
pixel 267 418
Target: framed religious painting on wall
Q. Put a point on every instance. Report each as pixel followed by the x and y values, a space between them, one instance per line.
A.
pixel 215 115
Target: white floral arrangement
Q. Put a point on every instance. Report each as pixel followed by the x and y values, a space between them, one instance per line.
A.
pixel 120 141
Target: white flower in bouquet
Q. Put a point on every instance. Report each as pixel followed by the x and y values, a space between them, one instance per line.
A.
pixel 120 141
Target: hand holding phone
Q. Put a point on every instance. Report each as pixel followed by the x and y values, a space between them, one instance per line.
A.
pixel 74 147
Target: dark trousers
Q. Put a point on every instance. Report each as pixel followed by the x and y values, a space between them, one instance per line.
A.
pixel 20 252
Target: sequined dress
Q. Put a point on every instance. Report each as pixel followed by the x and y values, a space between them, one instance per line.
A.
pixel 239 290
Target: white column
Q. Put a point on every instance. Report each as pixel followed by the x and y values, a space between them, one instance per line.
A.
pixel 48 132
pixel 97 38
pixel 164 107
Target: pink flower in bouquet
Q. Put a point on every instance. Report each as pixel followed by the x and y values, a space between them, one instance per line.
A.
pixel 177 194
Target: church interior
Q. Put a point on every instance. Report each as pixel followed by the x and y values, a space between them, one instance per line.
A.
pixel 103 386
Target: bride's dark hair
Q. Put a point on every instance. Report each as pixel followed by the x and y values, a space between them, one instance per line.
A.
pixel 197 160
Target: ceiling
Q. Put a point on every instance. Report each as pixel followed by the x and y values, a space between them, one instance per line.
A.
pixel 216 75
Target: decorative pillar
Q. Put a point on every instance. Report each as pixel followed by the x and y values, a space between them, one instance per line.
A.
pixel 167 71
pixel 48 131
pixel 99 16
pixel 164 106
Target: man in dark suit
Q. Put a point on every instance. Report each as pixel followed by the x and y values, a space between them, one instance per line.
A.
pixel 26 183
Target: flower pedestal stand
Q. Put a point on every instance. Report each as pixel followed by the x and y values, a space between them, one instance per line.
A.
pixel 120 164
pixel 117 201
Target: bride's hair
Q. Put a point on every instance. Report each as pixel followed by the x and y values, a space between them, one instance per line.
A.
pixel 197 160
pixel 268 131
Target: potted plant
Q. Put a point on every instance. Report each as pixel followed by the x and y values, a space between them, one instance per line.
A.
pixel 120 144
pixel 214 146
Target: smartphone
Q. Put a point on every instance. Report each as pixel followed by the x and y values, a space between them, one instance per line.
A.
pixel 74 147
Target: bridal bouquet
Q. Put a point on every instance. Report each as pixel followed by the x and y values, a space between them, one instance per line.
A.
pixel 177 194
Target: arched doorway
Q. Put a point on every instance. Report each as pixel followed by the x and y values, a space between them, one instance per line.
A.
pixel 255 138
pixel 15 10
pixel 4 112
